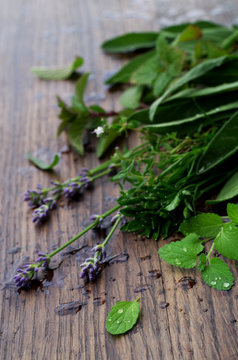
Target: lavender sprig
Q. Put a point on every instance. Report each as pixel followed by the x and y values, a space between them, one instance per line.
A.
pixel 92 267
pixel 37 271
pixel 32 272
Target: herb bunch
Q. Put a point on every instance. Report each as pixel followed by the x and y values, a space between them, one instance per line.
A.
pixel 182 99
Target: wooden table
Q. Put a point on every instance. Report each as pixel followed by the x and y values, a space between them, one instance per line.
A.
pixel 200 323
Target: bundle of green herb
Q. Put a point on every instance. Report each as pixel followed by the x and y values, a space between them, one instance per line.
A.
pixel 182 98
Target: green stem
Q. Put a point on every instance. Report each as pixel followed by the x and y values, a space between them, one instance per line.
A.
pixel 112 231
pixel 91 226
pixel 210 251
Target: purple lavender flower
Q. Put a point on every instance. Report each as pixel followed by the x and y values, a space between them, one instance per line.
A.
pixel 29 273
pixel 92 267
pixel 40 214
pixel 50 202
pixel 34 198
pixel 72 189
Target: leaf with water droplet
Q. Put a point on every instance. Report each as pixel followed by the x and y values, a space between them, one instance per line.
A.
pixel 218 275
pixel 226 241
pixel 122 317
pixel 182 253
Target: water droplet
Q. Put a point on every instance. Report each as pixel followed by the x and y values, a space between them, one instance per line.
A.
pixel 213 282
pixel 120 311
pixel 110 319
pixel 128 321
pixel 185 249
pixel 177 262
pixel 226 284
pixel 219 278
pixel 215 278
pixel 117 321
pixel 217 109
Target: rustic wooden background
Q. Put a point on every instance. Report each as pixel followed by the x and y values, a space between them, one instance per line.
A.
pixel 200 323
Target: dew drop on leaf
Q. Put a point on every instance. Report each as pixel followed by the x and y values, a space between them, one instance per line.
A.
pixel 226 284
pixel 120 311
pixel 178 262
pixel 213 282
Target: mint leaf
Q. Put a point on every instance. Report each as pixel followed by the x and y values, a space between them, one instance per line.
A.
pixel 122 317
pixel 202 262
pixel 226 241
pixel 41 164
pixel 182 253
pixel 130 99
pixel 217 275
pixel 232 212
pixel 75 133
pixel 130 42
pixel 78 104
pixel 57 74
pixel 204 225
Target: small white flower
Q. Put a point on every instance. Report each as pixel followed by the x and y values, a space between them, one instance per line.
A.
pixel 98 131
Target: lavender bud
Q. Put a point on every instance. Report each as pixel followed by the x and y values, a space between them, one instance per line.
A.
pixel 40 214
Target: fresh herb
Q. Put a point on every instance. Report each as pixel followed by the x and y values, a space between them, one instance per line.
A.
pixel 182 100
pixel 43 165
pixel 58 74
pixel 122 317
pixel 189 252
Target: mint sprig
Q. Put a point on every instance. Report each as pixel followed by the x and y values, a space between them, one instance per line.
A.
pixel 204 228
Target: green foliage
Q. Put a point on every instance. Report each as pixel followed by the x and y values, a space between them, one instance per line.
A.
pixel 122 317
pixel 43 165
pixel 218 275
pixel 229 190
pixel 58 74
pixel 214 271
pixel 182 253
pixel 204 225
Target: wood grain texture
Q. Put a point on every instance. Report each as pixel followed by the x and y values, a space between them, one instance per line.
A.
pixel 199 323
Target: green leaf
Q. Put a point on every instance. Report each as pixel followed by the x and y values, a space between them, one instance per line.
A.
pixel 107 138
pixel 182 253
pixel 191 32
pixel 181 124
pixel 232 212
pixel 229 190
pixel 146 73
pixel 130 42
pixel 217 275
pixel 66 115
pixel 76 132
pixel 130 99
pixel 122 317
pixel 78 104
pixel 204 225
pixel 170 58
pixel 223 145
pixel 202 262
pixel 41 164
pixel 226 241
pixel 192 74
pixel 58 74
pixel 161 83
pixel 125 73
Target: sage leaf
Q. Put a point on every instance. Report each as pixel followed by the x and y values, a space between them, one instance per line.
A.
pixel 122 317
pixel 223 145
pixel 226 241
pixel 130 42
pixel 57 74
pixel 192 74
pixel 229 190
pixel 218 275
pixel 41 164
pixel 182 253
pixel 204 225
pixel 232 212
